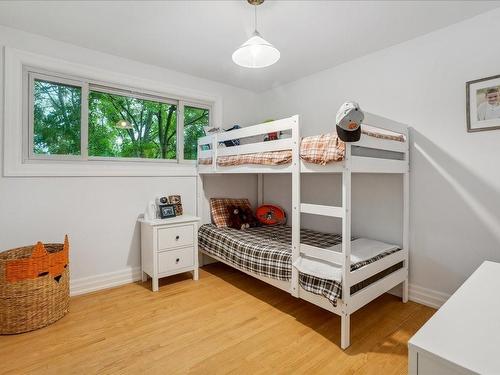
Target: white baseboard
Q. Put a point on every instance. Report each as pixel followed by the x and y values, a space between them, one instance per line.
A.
pixel 428 297
pixel 89 284
pixel 104 281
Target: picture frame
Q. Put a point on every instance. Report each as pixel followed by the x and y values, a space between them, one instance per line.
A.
pixel 177 202
pixel 483 104
pixel 174 199
pixel 166 211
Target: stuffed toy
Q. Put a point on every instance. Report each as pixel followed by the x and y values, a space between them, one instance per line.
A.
pixel 248 217
pixel 241 217
pixel 234 220
pixel 269 214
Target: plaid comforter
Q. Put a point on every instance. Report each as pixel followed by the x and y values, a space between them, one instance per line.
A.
pixel 266 251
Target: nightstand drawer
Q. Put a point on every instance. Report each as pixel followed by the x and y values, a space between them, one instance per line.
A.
pixel 175 259
pixel 175 237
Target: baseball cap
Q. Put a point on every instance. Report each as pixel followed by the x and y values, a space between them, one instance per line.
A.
pixel 348 120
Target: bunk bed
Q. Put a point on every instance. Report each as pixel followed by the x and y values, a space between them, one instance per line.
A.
pixel 274 254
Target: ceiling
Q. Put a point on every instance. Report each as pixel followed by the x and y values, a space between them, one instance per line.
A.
pixel 198 37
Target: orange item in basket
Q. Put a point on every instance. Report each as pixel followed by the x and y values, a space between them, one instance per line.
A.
pixel 40 263
pixel 269 214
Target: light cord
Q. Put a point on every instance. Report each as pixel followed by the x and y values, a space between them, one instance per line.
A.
pixel 255 16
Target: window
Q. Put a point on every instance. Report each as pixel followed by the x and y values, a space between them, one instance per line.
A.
pixel 56 118
pixel 76 119
pixel 194 120
pixel 150 127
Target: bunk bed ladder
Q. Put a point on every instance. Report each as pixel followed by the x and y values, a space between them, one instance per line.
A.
pixel 344 213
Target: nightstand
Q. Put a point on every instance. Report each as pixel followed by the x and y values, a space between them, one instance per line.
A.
pixel 169 247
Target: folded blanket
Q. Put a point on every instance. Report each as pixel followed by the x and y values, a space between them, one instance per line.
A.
pixel 362 249
pixel 318 268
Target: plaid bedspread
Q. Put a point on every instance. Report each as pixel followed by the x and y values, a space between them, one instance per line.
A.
pixel 262 158
pixel 317 149
pixel 266 251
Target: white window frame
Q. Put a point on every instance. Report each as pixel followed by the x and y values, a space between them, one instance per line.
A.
pixel 29 126
pixel 132 93
pixel 180 126
pixel 18 162
pixel 86 87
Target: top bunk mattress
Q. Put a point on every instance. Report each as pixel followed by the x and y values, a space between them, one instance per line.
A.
pixel 317 149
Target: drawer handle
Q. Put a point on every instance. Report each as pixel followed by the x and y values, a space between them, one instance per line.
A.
pixel 177 260
pixel 177 238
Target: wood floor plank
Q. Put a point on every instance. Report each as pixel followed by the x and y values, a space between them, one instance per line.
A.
pixel 225 323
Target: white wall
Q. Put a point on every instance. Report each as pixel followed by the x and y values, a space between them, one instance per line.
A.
pixel 98 213
pixel 455 182
pixel 455 177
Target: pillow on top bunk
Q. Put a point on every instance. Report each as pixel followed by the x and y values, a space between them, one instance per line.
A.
pixel 219 211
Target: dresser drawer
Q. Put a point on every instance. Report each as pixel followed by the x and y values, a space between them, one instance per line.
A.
pixel 175 259
pixel 175 237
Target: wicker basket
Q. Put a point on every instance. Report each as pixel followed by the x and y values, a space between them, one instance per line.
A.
pixel 34 286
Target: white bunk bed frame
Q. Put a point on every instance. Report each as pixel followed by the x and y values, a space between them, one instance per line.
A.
pixel 351 164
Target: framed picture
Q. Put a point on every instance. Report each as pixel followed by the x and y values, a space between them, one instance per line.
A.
pixel 166 211
pixel 483 104
pixel 176 201
pixel 173 199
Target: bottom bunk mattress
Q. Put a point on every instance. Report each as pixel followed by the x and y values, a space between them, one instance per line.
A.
pixel 267 251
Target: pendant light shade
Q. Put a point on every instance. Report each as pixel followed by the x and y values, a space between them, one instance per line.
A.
pixel 256 52
pixel 123 124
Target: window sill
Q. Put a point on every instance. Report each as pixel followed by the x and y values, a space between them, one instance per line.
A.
pixel 99 169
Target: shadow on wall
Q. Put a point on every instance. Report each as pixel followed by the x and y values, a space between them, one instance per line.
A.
pixel 376 202
pixel 134 251
pixel 455 218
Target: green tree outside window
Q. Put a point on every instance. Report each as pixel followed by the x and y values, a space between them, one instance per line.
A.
pixel 153 127
pixel 56 118
pixel 194 121
pixel 152 134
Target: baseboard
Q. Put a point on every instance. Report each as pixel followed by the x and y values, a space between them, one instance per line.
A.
pixel 89 284
pixel 428 297
pixel 103 281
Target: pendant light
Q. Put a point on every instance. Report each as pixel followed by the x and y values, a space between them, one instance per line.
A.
pixel 256 52
pixel 123 124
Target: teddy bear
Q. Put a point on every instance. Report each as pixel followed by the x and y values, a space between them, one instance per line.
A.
pixel 241 217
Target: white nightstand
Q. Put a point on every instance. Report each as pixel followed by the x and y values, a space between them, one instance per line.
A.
pixel 168 247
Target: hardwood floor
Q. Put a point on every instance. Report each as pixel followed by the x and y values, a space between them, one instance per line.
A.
pixel 226 322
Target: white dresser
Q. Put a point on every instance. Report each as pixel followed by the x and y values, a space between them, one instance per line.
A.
pixel 463 336
pixel 168 247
